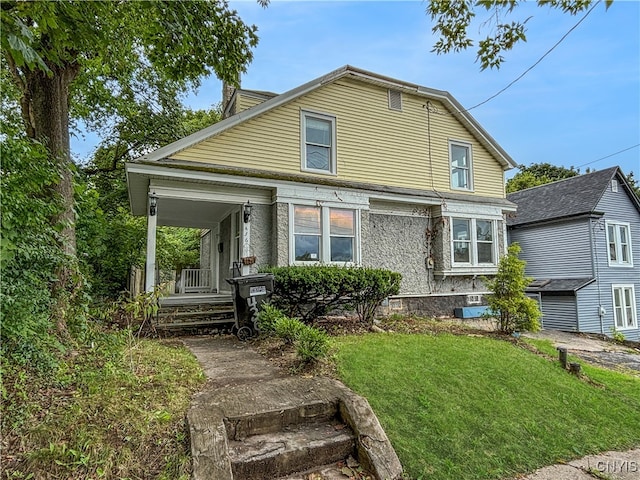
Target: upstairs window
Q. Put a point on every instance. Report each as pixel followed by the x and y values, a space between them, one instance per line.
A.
pixel 324 234
pixel 318 143
pixel 619 244
pixel 473 242
pixel 461 168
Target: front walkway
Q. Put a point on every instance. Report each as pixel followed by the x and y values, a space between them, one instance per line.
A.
pixel 245 392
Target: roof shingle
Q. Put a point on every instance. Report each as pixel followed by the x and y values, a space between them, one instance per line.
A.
pixel 570 197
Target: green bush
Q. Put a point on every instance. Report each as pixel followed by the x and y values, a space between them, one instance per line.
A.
pixel 288 328
pixel 508 302
pixel 308 292
pixel 267 318
pixel 312 344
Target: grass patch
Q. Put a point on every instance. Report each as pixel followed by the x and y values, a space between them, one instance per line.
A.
pixel 116 410
pixel 469 407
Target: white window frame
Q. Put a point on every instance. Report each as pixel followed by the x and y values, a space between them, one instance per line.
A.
pixel 617 226
pixel 467 145
pixel 473 243
pixel 304 114
pixel 624 307
pixel 325 235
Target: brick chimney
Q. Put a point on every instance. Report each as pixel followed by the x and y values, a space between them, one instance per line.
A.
pixel 227 93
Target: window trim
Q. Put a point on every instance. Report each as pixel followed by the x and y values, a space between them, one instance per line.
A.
pixel 617 226
pixel 325 235
pixel 468 146
pixel 634 312
pixel 473 243
pixel 304 114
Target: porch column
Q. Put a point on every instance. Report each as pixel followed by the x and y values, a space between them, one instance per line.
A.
pixel 152 223
pixel 246 245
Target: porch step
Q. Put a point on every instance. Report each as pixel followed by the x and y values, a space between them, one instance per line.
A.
pixel 296 448
pixel 195 315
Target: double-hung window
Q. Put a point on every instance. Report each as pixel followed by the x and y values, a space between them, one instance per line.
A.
pixel 318 132
pixel 619 244
pixel 324 234
pixel 624 307
pixel 461 165
pixel 473 241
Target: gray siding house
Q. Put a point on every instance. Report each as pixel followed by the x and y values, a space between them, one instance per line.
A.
pixel 580 238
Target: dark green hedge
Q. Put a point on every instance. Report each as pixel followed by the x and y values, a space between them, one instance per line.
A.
pixel 309 292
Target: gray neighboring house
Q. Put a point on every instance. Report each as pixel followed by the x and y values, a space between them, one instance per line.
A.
pixel 580 238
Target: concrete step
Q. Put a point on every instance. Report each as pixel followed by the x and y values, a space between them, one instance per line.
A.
pixel 296 448
pixel 264 421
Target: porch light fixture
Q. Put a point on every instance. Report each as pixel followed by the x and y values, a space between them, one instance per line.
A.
pixel 247 212
pixel 153 203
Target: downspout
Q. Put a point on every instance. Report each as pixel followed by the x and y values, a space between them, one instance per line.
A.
pixel 596 271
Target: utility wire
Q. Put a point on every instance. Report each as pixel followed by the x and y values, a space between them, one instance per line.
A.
pixel 535 64
pixel 611 155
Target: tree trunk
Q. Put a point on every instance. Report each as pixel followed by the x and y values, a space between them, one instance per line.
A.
pixel 49 115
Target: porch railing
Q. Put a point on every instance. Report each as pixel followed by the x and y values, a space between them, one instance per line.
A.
pixel 195 280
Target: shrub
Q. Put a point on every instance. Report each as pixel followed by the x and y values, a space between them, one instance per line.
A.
pixel 288 328
pixel 508 302
pixel 312 344
pixel 309 292
pixel 267 318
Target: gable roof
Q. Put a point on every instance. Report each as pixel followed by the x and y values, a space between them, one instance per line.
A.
pixel 566 198
pixel 346 71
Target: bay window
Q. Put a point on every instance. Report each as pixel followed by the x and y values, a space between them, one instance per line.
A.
pixel 473 241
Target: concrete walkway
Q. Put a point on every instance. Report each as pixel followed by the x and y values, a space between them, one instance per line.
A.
pixel 233 366
pixel 608 465
pixel 245 394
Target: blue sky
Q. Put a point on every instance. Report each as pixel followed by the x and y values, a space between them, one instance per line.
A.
pixel 581 103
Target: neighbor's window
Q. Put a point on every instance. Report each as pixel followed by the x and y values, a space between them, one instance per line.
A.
pixel 624 307
pixel 619 243
pixel 318 143
pixel 324 234
pixel 473 241
pixel 461 173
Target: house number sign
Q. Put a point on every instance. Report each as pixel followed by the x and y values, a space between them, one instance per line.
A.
pixel 260 290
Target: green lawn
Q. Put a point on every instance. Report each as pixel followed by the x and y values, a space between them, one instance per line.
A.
pixel 468 407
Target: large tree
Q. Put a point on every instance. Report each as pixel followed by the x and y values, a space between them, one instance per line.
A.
pixel 453 21
pixel 95 61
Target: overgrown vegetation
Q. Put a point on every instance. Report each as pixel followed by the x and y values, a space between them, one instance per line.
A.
pixel 310 343
pixel 468 407
pixel 314 291
pixel 508 303
pixel 113 409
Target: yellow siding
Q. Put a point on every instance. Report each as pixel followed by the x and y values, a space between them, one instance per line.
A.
pixel 244 102
pixel 374 144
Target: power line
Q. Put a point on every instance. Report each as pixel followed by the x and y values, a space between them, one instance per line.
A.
pixel 532 66
pixel 608 156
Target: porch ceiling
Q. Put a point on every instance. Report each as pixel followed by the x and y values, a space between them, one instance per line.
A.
pixel 193 202
pixel 175 212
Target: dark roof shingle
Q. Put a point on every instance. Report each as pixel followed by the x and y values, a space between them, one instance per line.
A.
pixel 570 197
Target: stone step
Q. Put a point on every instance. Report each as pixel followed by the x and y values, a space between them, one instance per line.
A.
pixel 296 448
pixel 333 471
pixel 271 421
